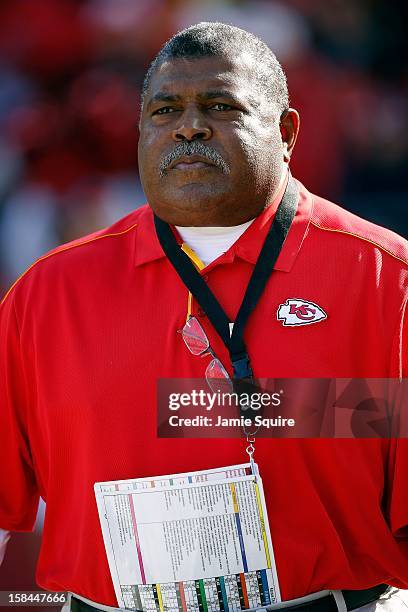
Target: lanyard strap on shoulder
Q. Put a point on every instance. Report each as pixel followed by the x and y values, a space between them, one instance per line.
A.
pixel 263 269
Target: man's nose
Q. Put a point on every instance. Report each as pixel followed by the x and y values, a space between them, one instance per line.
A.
pixel 192 127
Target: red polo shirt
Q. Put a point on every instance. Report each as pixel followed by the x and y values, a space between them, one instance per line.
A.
pixel 89 328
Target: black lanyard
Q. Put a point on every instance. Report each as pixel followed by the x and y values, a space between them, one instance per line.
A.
pixel 263 269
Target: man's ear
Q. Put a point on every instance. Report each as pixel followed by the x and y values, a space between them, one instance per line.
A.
pixel 289 128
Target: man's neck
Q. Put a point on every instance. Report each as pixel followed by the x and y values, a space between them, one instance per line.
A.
pixel 210 242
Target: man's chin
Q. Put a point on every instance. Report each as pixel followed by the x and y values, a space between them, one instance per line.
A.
pixel 191 207
pixel 198 190
pixel 195 196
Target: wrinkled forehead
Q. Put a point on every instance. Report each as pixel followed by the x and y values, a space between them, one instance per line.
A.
pixel 187 77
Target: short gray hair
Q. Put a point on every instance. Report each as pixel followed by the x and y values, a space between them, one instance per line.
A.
pixel 213 39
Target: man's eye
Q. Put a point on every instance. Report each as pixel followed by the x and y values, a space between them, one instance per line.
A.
pixel 220 106
pixel 164 110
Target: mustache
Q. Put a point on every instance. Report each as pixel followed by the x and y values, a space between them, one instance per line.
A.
pixel 193 147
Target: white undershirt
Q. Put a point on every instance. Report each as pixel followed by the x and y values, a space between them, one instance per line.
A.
pixel 210 242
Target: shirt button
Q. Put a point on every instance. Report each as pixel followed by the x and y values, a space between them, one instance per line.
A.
pixel 205 277
pixel 201 312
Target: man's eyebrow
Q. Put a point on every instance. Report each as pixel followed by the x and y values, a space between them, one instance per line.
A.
pixel 163 97
pixel 223 93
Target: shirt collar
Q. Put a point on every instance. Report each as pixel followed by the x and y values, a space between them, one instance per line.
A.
pixel 248 246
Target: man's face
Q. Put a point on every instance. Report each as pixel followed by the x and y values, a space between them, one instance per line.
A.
pixel 210 148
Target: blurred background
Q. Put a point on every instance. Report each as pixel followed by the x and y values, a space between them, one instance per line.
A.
pixel 70 79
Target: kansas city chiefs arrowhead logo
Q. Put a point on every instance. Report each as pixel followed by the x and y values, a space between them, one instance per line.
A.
pixel 300 312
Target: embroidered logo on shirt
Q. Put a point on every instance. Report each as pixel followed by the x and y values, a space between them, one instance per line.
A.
pixel 300 312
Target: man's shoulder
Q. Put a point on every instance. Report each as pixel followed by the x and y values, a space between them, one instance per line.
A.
pixel 352 231
pixel 85 253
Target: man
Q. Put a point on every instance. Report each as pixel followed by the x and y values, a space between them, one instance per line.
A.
pixel 88 330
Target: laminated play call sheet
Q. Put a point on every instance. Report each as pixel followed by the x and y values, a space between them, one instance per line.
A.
pixel 198 541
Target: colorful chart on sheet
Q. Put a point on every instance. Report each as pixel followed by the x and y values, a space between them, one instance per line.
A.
pixel 189 542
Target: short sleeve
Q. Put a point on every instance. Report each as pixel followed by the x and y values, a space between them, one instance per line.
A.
pixel 18 489
pixel 397 506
